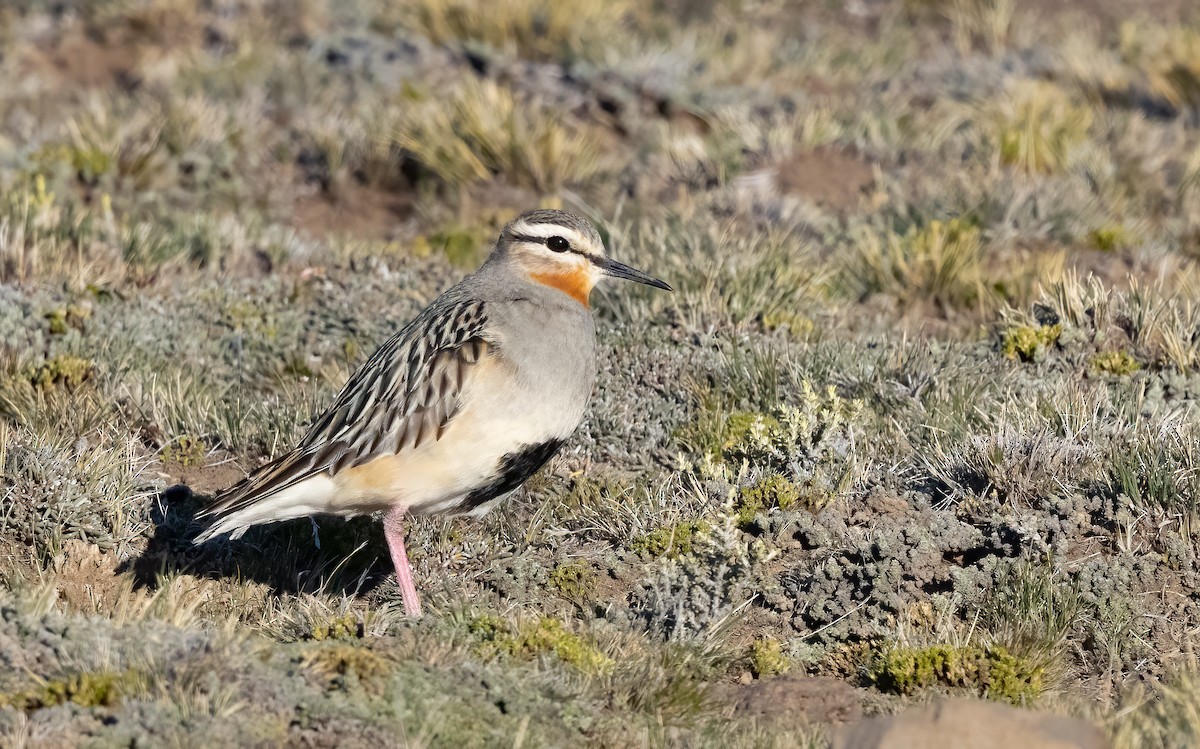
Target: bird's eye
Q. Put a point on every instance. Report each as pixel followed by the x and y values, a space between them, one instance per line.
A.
pixel 558 244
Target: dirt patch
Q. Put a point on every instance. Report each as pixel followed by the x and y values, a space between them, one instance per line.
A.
pixel 86 577
pixel 984 725
pixel 204 480
pixel 795 702
pixel 77 61
pixel 352 210
pixel 830 177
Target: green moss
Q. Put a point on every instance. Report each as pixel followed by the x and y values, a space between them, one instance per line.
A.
pixel 63 319
pixel 670 540
pixel 767 658
pixel 1028 342
pixel 574 581
pixel 186 450
pixel 86 689
pixel 1012 678
pixel 1109 238
pixel 549 635
pixel 333 664
pixel 1118 363
pixel 772 492
pixel 345 627
pixel 63 371
pixel 493 631
pixel 546 635
pixel 993 671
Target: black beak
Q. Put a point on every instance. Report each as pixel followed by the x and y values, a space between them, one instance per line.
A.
pixel 621 270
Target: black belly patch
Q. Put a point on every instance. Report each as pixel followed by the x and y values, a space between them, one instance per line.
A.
pixel 513 470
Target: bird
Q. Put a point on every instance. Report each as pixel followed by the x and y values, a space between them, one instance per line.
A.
pixel 453 413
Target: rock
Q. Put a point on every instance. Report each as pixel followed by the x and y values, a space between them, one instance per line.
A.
pixel 797 702
pixel 971 724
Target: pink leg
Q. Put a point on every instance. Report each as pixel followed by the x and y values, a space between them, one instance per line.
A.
pixel 395 538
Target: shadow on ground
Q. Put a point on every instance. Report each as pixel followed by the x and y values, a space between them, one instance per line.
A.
pixel 332 555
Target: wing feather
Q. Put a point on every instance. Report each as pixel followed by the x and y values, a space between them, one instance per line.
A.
pixel 402 397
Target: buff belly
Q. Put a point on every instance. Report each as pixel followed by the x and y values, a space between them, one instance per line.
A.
pixel 488 449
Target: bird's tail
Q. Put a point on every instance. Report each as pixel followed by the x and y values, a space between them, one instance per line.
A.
pixel 283 489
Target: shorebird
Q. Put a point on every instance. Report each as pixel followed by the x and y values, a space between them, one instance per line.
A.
pixel 454 412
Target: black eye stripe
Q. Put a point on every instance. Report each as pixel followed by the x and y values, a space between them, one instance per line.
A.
pixel 545 241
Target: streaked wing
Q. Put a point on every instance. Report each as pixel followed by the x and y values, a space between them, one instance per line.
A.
pixel 401 398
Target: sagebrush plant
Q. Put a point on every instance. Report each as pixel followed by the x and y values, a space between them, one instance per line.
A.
pixel 809 445
pixel 1016 465
pixel 695 595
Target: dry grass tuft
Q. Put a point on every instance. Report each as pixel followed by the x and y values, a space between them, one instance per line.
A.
pixel 483 130
pixel 533 29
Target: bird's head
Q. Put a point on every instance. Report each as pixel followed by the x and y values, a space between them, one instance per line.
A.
pixel 563 251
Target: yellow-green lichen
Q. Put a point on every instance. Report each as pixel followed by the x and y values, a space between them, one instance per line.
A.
pixel 1114 362
pixel 767 658
pixel 86 689
pixel 993 671
pixel 345 627
pixel 89 162
pixel 186 450
pixel 772 492
pixel 63 319
pixel 796 324
pixel 549 635
pixel 1109 238
pixel 63 371
pixel 334 664
pixel 573 581
pixel 530 639
pixel 1028 342
pixel 804 450
pixel 672 540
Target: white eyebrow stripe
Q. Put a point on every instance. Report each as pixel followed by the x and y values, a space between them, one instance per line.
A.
pixel 545 231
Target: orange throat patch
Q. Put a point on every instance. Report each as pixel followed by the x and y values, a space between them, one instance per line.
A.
pixel 576 283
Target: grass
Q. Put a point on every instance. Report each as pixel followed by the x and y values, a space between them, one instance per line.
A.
pixel 941 263
pixel 483 131
pixel 1037 129
pixel 920 414
pixel 1166 717
pixel 532 29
